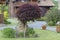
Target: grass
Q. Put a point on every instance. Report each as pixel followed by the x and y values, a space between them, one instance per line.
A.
pixel 43 35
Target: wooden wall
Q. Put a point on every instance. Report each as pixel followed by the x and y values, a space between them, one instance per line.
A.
pixel 1 18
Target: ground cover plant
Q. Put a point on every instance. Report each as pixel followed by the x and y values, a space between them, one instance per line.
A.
pixel 43 35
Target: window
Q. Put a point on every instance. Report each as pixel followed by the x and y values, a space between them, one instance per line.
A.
pixel 23 0
pixel 35 0
pixel 17 0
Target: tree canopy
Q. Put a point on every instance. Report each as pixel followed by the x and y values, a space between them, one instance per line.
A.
pixel 28 12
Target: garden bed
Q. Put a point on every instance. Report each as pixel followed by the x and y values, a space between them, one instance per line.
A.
pixel 43 35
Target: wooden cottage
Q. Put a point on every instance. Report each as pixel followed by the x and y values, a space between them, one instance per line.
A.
pixel 14 5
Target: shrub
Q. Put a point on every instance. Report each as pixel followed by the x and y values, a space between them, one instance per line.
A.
pixel 21 34
pixel 6 17
pixel 43 19
pixel 35 35
pixel 6 14
pixel 6 22
pixel 9 33
pixel 29 32
pixel 6 8
pixel 53 15
pixel 51 23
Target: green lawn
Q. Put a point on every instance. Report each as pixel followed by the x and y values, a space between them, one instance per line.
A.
pixel 43 35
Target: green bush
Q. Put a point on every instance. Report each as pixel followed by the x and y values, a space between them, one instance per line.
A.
pixel 51 23
pixel 21 34
pixel 43 19
pixel 29 32
pixel 6 8
pixel 6 14
pixel 8 33
pixel 53 15
pixel 6 22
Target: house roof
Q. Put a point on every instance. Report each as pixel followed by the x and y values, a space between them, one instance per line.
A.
pixel 46 3
pixel 41 3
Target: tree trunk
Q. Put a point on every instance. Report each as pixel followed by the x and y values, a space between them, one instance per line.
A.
pixel 11 9
pixel 21 28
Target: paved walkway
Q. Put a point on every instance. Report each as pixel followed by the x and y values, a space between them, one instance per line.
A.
pixel 36 24
pixel 6 26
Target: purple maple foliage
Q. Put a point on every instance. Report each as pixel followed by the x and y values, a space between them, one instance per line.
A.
pixel 28 12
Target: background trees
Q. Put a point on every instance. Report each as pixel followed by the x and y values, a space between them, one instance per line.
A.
pixel 53 16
